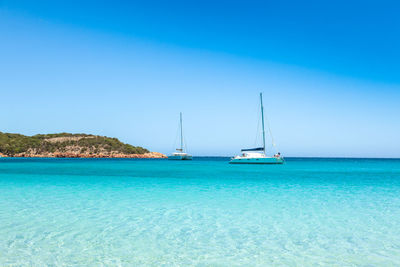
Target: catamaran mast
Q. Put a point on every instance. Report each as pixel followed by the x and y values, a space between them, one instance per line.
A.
pixel 181 132
pixel 262 119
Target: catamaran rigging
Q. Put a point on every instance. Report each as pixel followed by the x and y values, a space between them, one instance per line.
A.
pixel 180 153
pixel 257 155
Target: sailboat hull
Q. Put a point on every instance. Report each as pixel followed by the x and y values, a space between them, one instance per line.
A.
pixel 271 160
pixel 180 157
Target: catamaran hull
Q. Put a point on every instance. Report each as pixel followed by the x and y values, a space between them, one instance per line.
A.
pixel 257 161
pixel 186 157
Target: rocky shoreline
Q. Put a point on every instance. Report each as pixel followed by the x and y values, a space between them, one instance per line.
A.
pixel 69 145
pixel 150 155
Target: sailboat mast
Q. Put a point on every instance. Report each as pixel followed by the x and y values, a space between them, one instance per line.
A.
pixel 262 119
pixel 181 131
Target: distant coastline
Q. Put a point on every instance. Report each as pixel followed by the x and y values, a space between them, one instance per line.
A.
pixel 67 145
pixel 150 155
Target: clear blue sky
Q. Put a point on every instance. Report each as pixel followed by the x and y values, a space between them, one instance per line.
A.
pixel 329 70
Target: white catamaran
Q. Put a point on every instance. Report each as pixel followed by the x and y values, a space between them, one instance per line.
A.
pixel 180 153
pixel 257 155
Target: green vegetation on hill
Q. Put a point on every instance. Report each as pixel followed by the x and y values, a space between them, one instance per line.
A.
pixel 13 144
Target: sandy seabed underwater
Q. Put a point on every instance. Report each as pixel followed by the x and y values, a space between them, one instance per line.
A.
pixel 205 212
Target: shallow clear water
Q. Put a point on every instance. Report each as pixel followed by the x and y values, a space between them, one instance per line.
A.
pixel 205 212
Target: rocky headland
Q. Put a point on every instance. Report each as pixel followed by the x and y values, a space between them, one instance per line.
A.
pixel 66 145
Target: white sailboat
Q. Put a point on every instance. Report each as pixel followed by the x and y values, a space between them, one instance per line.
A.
pixel 180 153
pixel 257 155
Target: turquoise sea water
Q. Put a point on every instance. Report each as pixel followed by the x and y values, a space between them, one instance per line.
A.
pixel 205 212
